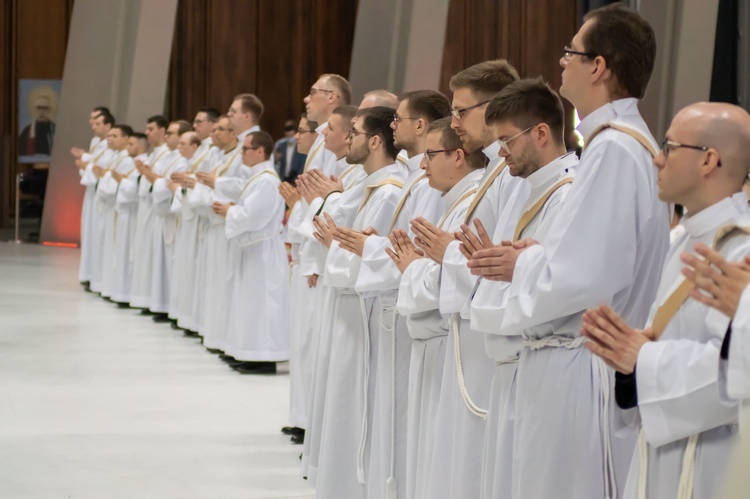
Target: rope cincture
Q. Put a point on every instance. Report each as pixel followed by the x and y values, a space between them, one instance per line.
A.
pixel 559 341
pixel 473 407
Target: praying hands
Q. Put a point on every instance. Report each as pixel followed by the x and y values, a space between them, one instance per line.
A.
pixel 430 239
pixel 404 252
pixel 718 283
pixel 611 339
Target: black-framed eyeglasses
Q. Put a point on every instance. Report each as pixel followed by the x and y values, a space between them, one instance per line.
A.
pixel 667 145
pixel 302 130
pixel 246 148
pixel 568 54
pixel 314 91
pixel 505 143
pixel 222 129
pixel 397 118
pixel 459 113
pixel 354 132
pixel 430 155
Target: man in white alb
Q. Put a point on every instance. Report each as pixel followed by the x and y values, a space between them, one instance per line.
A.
pixel 669 370
pixel 528 119
pixel 140 291
pixel 614 196
pixel 258 325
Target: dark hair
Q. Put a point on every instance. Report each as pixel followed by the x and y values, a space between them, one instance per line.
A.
pixel 159 120
pixel 126 130
pixel 430 105
pixel 102 110
pixel 194 139
pixel 346 112
pixel 250 103
pixel 486 78
pixel 211 112
pixel 377 121
pixel 342 86
pixel 528 102
pixel 183 126
pixel 627 43
pixel 449 139
pixel 264 140
pixel 312 125
pixel 107 119
pixel 139 135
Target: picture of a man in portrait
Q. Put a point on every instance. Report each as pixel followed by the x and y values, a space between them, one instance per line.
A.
pixel 36 137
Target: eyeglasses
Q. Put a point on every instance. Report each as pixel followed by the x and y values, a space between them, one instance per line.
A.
pixel 459 113
pixel 667 144
pixel 397 118
pixel 169 133
pixel 43 108
pixel 222 129
pixel 430 155
pixel 568 54
pixel 198 122
pixel 245 149
pixel 353 133
pixel 505 144
pixel 302 130
pixel 314 91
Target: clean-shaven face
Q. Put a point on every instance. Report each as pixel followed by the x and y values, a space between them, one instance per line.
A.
pixel 404 127
pixel 576 70
pixel 337 133
pixel 305 137
pixel 439 167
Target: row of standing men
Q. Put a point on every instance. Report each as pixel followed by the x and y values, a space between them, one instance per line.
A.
pixel 467 322
pixel 161 231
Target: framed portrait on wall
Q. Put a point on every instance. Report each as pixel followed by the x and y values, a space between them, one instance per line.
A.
pixel 37 112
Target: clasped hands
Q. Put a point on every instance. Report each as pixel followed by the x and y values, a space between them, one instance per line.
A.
pixel 494 262
pixel 315 184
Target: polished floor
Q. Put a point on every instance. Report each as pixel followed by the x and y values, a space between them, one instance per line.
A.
pixel 99 402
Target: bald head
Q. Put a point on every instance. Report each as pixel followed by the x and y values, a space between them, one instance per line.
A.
pixel 375 98
pixel 719 126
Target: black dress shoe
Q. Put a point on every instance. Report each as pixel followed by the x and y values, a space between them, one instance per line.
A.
pixel 145 311
pixel 226 357
pixel 255 368
pixel 214 351
pixel 122 304
pixel 175 326
pixel 298 439
pixel 160 318
pixel 292 430
pixel 190 333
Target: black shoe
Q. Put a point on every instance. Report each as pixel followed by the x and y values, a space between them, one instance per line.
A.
pixel 234 362
pixel 292 430
pixel 214 351
pixel 122 304
pixel 255 368
pixel 87 288
pixel 175 326
pixel 298 439
pixel 145 311
pixel 160 318
pixel 190 333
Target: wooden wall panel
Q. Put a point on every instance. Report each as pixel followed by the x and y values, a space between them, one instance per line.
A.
pixel 33 40
pixel 530 34
pixel 274 48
